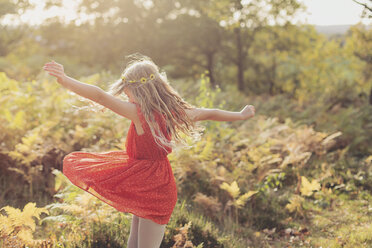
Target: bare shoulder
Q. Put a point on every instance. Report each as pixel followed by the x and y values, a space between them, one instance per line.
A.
pixel 199 114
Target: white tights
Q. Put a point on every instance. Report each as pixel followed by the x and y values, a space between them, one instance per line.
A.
pixel 145 233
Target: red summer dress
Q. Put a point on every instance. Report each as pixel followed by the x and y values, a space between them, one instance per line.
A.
pixel 138 180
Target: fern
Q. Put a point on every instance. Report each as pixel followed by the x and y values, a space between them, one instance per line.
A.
pixel 238 201
pixel 20 223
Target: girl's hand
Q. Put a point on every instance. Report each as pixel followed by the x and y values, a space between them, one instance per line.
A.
pixel 248 112
pixel 55 70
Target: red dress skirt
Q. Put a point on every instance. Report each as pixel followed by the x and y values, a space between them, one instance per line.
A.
pixel 138 180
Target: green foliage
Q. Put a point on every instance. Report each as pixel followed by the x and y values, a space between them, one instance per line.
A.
pixel 187 224
pixel 274 180
pixel 208 98
pixel 316 124
pixel 81 220
pixel 40 124
pixel 226 38
pixel 237 201
pixel 264 155
pixel 347 225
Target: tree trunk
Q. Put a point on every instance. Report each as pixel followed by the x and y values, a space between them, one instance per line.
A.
pixel 210 62
pixel 296 83
pixel 273 77
pixel 240 59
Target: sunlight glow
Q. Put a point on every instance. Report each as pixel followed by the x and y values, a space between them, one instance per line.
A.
pixel 37 16
pixel 319 12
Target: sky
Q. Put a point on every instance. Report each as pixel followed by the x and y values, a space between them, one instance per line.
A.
pixel 319 12
pixel 333 12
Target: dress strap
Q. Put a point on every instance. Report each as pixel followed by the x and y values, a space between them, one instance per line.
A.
pixel 141 117
pixel 140 114
pixel 158 118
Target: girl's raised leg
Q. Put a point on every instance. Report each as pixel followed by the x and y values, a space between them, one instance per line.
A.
pixel 150 234
pixel 133 236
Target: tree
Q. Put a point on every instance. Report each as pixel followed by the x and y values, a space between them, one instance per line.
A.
pixel 359 44
pixel 125 27
pixel 193 43
pixel 10 36
pixel 243 19
pixel 275 55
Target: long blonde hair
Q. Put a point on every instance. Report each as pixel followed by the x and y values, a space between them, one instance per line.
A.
pixel 157 95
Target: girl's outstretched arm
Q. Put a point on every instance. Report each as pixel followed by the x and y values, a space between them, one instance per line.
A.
pixel 85 90
pixel 203 114
pixel 91 92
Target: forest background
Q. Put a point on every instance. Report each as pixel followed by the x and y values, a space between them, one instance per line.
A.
pixel 298 174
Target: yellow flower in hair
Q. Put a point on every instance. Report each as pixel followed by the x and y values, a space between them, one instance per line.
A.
pixel 123 78
pixel 152 76
pixel 143 80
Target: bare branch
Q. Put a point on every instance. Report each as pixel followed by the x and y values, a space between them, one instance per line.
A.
pixel 363 4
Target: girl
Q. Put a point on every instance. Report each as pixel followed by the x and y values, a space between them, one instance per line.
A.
pixel 139 179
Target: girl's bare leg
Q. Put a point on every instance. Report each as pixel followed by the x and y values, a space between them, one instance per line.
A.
pixel 150 234
pixel 133 236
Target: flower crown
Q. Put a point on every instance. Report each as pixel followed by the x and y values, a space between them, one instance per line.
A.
pixel 143 80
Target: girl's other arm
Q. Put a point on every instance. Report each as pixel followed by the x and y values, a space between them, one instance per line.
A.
pixel 202 114
pixel 91 92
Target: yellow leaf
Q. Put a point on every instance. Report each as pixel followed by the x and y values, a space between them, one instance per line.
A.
pixel 243 198
pixel 79 132
pixel 23 219
pixel 26 236
pixel 307 188
pixel 8 115
pixel 11 212
pixel 30 139
pixel 15 155
pixel 23 148
pixel 30 211
pixel 14 216
pixel 368 159
pixel 232 189
pixel 207 153
pixel 5 225
pixel 295 204
pixel 19 120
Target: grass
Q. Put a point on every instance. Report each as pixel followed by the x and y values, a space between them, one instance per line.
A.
pixel 346 223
